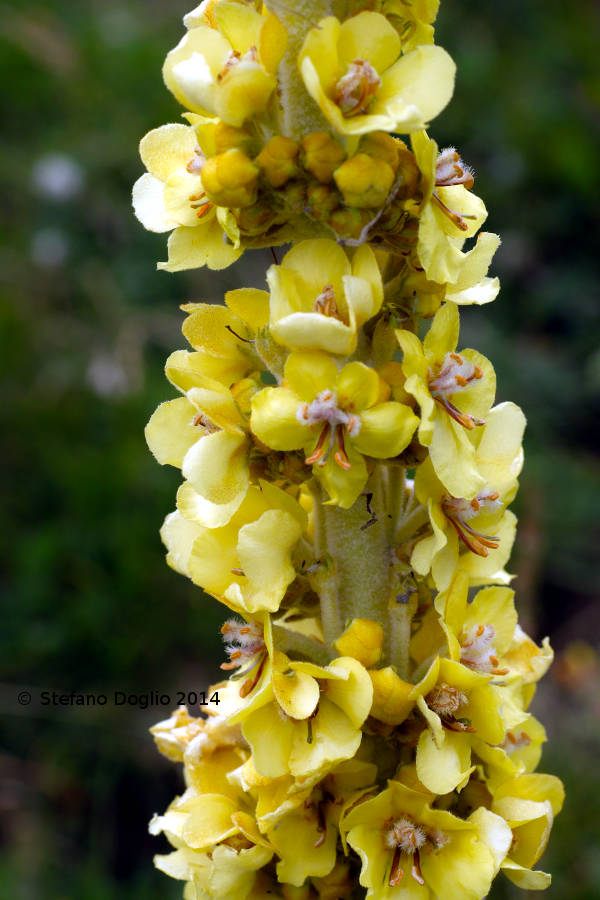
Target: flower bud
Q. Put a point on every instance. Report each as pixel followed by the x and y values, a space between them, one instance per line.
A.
pixel 390 696
pixel 407 174
pixel 365 182
pixel 255 219
pixel 348 223
pixel 277 159
pixel 380 145
pixel 338 883
pixel 322 200
pixel 230 179
pixel 291 892
pixel 363 640
pixel 227 137
pixel 322 155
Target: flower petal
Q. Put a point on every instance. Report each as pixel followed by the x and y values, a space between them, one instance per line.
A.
pixel 171 431
pixel 385 430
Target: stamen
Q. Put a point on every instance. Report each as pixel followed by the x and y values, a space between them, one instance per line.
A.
pixel 456 218
pixel 457 510
pixel 320 448
pixel 206 207
pixel 396 872
pixel 250 683
pixel 450 169
pixel 340 456
pixel 355 91
pixel 455 375
pixel 326 305
pixel 416 869
pixel 477 650
pixel 201 419
pixel 515 742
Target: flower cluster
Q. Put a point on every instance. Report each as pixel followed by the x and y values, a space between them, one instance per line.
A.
pixel 346 474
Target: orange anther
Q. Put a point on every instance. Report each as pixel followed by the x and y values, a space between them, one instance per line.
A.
pixel 475 504
pixel 457 358
pixel 478 373
pixel 480 630
pixel 463 382
pixel 320 448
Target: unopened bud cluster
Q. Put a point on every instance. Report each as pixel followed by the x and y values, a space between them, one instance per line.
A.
pixel 346 473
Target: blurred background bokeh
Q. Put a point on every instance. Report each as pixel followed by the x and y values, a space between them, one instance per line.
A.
pixel 86 324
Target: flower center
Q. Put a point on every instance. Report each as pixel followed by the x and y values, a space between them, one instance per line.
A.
pixel 406 839
pixel 456 374
pixel 244 643
pixel 458 511
pixel 355 91
pixel 450 169
pixel 446 700
pixel 206 423
pixel 477 650
pixel 326 305
pixel 514 742
pixel 324 408
pixel 234 59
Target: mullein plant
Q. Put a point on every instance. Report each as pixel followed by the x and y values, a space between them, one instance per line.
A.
pixel 346 473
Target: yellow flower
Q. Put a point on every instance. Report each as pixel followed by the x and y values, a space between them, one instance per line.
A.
pixel 456 703
pixel 455 392
pixel 335 417
pixel 205 433
pixel 305 839
pixel 410 850
pixel 229 72
pixel 355 72
pixel 529 804
pixel 481 525
pixel 175 735
pixel 245 563
pixel 313 721
pixel 449 214
pixel 319 299
pixel 519 753
pixel 484 633
pixel 413 20
pixel 171 195
pixel 218 845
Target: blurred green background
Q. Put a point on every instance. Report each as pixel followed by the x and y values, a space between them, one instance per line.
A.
pixel 86 325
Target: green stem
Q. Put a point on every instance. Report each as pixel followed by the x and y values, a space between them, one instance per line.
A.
pixel 299 112
pixel 300 646
pixel 400 618
pixel 325 579
pixel 357 541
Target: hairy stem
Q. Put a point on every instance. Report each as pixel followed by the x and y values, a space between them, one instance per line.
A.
pixel 325 580
pixel 300 114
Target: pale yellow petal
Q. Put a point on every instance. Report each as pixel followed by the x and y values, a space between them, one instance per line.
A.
pixel 168 148
pixel 217 467
pixel 443 768
pixel 149 205
pixel 204 245
pixel 368 36
pixel 171 431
